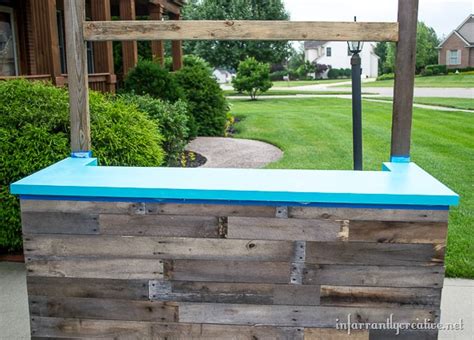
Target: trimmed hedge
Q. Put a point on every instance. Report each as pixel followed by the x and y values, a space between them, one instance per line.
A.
pixel 386 76
pixel 435 69
pixel 34 133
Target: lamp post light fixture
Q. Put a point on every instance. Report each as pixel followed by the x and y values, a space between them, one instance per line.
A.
pixel 355 47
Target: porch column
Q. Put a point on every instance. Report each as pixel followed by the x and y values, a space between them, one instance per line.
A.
pixel 129 48
pixel 176 47
pixel 46 39
pixel 157 46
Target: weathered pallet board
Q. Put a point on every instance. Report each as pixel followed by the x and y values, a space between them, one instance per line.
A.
pixel 334 334
pixel 354 214
pixel 107 309
pixel 284 229
pixel 81 207
pixel 302 316
pixel 370 253
pixel 158 247
pixel 398 232
pixel 59 223
pixel 219 292
pixel 210 210
pixel 125 269
pixel 375 276
pixel 160 225
pixel 404 335
pixel 379 296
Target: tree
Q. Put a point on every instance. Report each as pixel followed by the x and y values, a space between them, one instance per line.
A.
pixel 253 78
pixel 228 54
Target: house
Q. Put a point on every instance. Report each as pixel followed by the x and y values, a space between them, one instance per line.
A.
pixel 222 76
pixel 337 55
pixel 33 46
pixel 457 50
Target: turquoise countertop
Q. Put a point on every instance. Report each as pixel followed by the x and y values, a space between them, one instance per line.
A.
pixel 397 184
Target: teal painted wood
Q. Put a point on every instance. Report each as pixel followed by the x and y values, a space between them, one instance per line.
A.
pixel 398 184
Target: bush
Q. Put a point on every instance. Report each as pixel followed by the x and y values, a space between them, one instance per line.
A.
pixel 437 69
pixel 461 70
pixel 252 78
pixel 206 102
pixel 150 78
pixel 387 76
pixel 189 60
pixel 334 73
pixel 426 72
pixel 278 75
pixel 173 122
pixel 34 133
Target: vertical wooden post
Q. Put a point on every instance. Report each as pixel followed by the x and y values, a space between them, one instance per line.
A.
pixel 157 46
pixel 129 48
pixel 103 51
pixel 74 15
pixel 404 78
pixel 176 47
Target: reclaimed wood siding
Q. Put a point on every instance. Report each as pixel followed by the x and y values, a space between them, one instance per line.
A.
pixel 196 271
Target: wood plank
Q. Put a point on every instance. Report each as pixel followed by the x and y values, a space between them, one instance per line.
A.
pixel 370 253
pixel 87 288
pixel 284 229
pixel 74 16
pixel 157 247
pixel 334 334
pixel 107 309
pixel 380 296
pixel 375 276
pixel 123 269
pixel 126 330
pixel 227 271
pixel 222 292
pixel 376 334
pixel 398 232
pixel 294 316
pixel 405 62
pixel 59 223
pixel 86 207
pixel 160 225
pixel 357 214
pixel 176 46
pixel 240 30
pixel 129 48
pixel 210 210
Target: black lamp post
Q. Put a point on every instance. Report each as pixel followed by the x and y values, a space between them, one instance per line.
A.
pixel 355 47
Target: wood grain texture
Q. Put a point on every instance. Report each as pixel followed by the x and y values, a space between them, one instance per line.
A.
pixel 210 210
pixel 103 309
pixel 81 207
pixel 398 232
pixel 283 229
pixel 157 247
pixel 375 276
pixel 379 296
pixel 124 269
pixel 371 253
pixel 293 316
pixel 404 335
pixel 357 214
pixel 240 30
pixel 59 223
pixel 334 334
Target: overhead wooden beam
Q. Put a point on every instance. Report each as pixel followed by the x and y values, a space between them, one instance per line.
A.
pixel 404 78
pixel 74 15
pixel 239 30
pixel 167 5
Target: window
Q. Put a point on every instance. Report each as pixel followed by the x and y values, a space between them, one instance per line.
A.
pixel 454 57
pixel 328 51
pixel 8 53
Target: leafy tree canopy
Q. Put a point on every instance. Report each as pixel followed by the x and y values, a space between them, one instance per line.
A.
pixel 228 54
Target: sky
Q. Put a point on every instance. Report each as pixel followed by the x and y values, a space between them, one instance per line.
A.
pixel 443 15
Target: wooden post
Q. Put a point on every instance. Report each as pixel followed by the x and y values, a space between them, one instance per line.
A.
pixel 176 47
pixel 129 48
pixel 157 46
pixel 404 78
pixel 74 14
pixel 103 51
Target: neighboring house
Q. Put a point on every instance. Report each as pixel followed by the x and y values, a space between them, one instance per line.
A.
pixel 222 76
pixel 457 50
pixel 336 54
pixel 33 46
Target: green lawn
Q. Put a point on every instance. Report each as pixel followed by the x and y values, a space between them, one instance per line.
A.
pixel 451 80
pixel 295 83
pixel 316 134
pixel 457 103
pixel 232 93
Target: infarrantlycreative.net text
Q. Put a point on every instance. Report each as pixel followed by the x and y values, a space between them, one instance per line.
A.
pixel 425 324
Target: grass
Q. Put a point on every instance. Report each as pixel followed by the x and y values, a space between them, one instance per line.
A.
pixel 456 103
pixel 451 80
pixel 316 134
pixel 295 83
pixel 232 93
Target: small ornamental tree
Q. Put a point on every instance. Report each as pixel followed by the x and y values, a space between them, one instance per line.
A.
pixel 252 78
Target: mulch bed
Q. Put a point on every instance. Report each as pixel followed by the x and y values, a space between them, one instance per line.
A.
pixel 193 159
pixel 11 256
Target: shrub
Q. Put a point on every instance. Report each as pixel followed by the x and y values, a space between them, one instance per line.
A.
pixel 172 120
pixel 426 72
pixel 206 102
pixel 437 69
pixel 252 78
pixel 387 76
pixel 189 60
pixel 278 75
pixel 34 133
pixel 461 70
pixel 334 73
pixel 150 78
